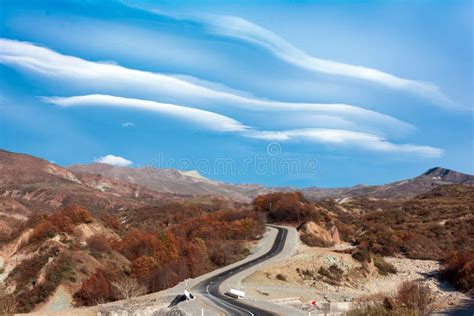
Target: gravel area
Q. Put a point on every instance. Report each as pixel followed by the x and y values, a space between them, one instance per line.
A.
pixel 265 285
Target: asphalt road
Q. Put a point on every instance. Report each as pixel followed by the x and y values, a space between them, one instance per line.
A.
pixel 210 287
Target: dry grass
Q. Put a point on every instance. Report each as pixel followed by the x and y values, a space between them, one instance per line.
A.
pixel 411 299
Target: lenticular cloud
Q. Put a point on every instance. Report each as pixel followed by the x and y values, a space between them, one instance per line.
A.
pixel 48 63
pixel 115 79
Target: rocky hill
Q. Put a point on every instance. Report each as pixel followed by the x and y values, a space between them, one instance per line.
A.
pixel 35 183
pixel 427 226
pixel 191 182
pixel 423 183
pixel 69 236
pixel 46 185
pixel 165 180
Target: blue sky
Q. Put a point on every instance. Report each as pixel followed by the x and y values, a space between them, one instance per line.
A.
pixel 363 91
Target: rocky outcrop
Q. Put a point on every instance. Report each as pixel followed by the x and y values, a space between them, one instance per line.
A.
pixel 315 235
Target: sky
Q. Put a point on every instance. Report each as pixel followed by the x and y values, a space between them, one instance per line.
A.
pixel 280 93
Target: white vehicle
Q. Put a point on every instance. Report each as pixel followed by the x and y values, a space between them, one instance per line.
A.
pixel 235 293
pixel 188 295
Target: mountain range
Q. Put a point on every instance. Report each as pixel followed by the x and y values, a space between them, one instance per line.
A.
pixel 35 182
pixel 191 182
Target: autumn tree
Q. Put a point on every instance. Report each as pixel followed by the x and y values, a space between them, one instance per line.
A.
pixel 284 207
pixel 95 289
pixel 170 244
pixel 136 244
pixel 77 214
pixel 143 268
pixel 196 256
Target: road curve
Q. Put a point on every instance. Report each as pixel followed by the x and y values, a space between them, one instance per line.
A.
pixel 210 287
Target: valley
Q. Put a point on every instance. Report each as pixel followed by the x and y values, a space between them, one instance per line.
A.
pixel 69 237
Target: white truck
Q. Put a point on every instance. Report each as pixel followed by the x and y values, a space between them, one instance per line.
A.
pixel 235 293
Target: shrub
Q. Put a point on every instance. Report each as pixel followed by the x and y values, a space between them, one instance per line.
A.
pixel 345 231
pixel 373 309
pixel 458 269
pixel 27 299
pixel 383 266
pixel 42 231
pixel 127 288
pixel 110 220
pixel 59 222
pixel 416 297
pixel 26 273
pixel 99 243
pixel 95 289
pixel 281 277
pixel 77 214
pixel 362 255
pixel 7 301
pixel 307 274
pixel 333 275
pixel 412 299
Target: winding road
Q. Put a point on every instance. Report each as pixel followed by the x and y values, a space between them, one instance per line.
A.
pixel 210 287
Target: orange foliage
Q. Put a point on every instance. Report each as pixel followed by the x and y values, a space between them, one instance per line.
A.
pixel 459 270
pixel 95 289
pixel 143 266
pixel 196 256
pixel 43 230
pixel 170 244
pixel 284 207
pixel 62 221
pixel 99 243
pixel 136 244
pixel 110 221
pixel 77 214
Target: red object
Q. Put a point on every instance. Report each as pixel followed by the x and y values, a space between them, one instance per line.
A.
pixel 313 302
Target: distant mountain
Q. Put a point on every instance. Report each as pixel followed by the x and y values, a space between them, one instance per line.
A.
pixel 30 183
pixel 400 189
pixel 167 180
pixel 36 182
pixel 191 182
pixel 442 174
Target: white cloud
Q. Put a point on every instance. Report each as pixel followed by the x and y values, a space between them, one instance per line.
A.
pixel 128 124
pixel 242 29
pixel 217 122
pixel 347 139
pixel 205 119
pixel 113 160
pixel 108 77
pixel 100 76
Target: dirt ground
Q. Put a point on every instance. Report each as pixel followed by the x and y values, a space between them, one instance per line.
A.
pixel 281 281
